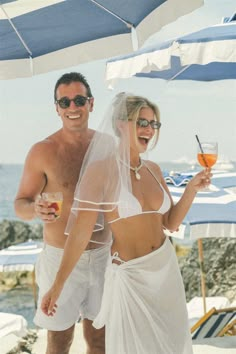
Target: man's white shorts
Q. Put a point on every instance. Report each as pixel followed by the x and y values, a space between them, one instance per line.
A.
pixel 82 293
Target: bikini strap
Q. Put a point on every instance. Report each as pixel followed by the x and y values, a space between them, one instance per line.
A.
pixel 152 173
pixel 99 242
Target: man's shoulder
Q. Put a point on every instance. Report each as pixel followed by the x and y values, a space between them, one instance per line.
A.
pixel 45 145
pixel 42 144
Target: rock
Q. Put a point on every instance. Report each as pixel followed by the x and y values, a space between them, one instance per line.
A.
pixel 25 344
pixel 219 266
pixel 13 232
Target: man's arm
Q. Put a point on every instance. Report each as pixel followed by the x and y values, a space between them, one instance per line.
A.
pixel 32 183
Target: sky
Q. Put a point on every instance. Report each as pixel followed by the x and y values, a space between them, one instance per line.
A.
pixel 27 112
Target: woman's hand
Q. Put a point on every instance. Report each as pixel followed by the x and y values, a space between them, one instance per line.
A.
pixel 201 180
pixel 48 304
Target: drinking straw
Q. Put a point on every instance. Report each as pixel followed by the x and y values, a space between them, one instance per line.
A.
pixel 200 145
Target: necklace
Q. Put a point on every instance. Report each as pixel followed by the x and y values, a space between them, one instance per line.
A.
pixel 136 169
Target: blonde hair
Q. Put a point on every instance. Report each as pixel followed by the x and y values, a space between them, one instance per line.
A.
pixel 131 107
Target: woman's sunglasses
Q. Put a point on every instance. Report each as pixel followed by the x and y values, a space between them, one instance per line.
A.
pixel 144 123
pixel 78 100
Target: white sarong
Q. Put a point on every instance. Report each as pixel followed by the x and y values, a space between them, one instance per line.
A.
pixel 144 307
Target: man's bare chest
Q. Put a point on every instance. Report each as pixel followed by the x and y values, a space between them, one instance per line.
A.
pixel 64 170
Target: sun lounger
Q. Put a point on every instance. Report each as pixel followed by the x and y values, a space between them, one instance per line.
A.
pixel 215 323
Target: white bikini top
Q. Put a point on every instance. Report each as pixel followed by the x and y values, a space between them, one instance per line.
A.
pixel 134 207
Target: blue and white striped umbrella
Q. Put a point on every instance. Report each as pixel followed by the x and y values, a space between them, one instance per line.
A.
pixel 205 55
pixel 20 257
pixel 212 214
pixel 224 179
pixel 38 36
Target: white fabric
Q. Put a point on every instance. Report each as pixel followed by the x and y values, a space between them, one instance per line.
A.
pixel 82 292
pixel 143 306
pixel 12 324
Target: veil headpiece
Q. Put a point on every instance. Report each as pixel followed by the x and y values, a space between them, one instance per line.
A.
pixel 104 181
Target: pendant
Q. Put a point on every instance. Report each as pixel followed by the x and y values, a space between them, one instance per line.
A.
pixel 137 175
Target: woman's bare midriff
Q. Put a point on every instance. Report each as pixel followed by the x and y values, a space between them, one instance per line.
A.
pixel 137 236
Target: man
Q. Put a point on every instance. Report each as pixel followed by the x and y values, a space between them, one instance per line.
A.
pixel 53 165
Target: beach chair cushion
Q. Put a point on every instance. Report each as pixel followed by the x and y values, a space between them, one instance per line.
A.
pixel 214 323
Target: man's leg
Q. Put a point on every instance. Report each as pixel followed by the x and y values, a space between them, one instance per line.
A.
pixel 94 338
pixel 59 342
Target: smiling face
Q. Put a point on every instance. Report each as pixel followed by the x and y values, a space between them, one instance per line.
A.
pixel 74 117
pixel 136 122
pixel 144 129
pixel 144 134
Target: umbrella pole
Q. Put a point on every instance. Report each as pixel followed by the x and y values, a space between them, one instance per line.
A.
pixel 203 274
pixel 34 289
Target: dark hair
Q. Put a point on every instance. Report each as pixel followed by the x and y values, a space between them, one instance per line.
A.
pixel 72 77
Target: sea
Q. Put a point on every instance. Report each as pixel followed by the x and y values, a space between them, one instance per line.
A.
pixel 20 300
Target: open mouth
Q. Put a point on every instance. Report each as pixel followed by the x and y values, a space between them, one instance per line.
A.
pixel 144 140
pixel 73 116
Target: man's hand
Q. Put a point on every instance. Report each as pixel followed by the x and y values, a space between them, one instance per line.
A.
pixel 48 304
pixel 44 211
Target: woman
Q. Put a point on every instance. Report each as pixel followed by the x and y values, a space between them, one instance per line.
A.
pixel 143 307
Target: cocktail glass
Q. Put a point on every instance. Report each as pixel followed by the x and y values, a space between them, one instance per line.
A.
pixel 55 199
pixel 207 153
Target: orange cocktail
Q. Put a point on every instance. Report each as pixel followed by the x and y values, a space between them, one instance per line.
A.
pixel 55 199
pixel 206 160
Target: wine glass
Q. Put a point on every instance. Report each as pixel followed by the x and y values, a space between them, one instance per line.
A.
pixel 207 153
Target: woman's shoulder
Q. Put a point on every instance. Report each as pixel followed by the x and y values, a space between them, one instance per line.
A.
pixel 153 166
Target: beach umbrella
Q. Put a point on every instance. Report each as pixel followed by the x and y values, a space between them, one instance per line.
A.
pixel 224 180
pixel 21 257
pixel 205 55
pixel 38 36
pixel 212 214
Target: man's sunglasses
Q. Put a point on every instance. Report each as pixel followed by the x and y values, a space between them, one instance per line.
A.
pixel 144 123
pixel 78 100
